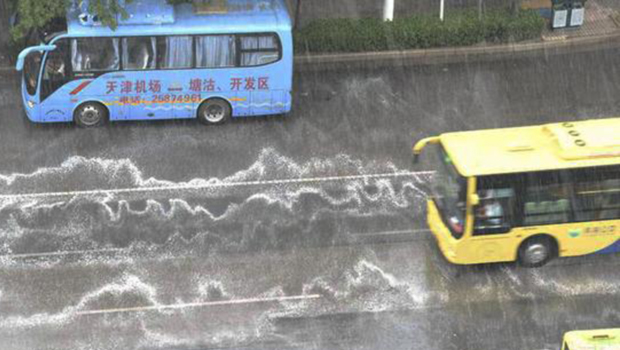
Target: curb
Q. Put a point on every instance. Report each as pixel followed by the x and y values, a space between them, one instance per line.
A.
pixel 452 55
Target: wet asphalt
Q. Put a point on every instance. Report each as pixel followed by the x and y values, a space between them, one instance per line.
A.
pixel 219 249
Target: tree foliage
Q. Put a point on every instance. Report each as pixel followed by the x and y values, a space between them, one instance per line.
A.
pixel 37 14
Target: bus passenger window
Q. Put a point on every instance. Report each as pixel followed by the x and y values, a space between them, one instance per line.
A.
pixel 95 54
pixel 139 53
pixel 494 213
pixel 174 52
pixel 215 51
pixel 257 50
pixel 597 195
pixel 547 202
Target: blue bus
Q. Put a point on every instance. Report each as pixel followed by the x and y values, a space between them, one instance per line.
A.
pixel 211 60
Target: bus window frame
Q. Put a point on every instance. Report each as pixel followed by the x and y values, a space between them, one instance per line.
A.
pixel 69 74
pixel 564 180
pixel 157 63
pixel 465 184
pixel 576 176
pixel 97 73
pixel 38 75
pixel 508 181
pixel 241 51
pixel 122 47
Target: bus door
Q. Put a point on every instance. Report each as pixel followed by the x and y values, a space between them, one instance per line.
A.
pixel 31 64
pixel 55 89
pixel 491 239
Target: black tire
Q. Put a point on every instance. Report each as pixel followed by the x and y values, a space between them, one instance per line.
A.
pixel 214 111
pixel 537 251
pixel 90 114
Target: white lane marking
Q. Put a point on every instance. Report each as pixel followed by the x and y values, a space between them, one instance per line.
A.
pixel 387 233
pixel 204 304
pixel 51 254
pixel 209 185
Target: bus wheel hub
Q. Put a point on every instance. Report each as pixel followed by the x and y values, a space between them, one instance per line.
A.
pixel 536 253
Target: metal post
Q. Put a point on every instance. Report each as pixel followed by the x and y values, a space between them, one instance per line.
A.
pixel 388 10
pixel 297 14
pixel 441 10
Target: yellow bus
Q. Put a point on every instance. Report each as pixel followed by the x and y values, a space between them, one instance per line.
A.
pixel 526 194
pixel 603 339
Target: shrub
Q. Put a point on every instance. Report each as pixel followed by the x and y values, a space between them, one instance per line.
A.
pixel 461 28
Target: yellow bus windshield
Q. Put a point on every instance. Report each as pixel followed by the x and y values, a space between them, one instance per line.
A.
pixel 448 192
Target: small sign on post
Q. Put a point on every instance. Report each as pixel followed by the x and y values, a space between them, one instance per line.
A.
pixel 560 14
pixel 577 15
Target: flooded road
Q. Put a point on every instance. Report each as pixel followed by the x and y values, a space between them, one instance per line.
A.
pixel 306 231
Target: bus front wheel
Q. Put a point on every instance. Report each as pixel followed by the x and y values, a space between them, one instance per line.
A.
pixel 214 111
pixel 90 114
pixel 537 251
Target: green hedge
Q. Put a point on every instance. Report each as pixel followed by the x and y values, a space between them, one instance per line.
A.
pixel 461 28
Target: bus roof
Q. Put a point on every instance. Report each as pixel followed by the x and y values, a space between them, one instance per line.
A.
pixel 156 17
pixel 594 339
pixel 535 148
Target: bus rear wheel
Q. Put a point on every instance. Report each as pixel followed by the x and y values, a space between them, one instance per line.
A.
pixel 536 251
pixel 214 111
pixel 90 114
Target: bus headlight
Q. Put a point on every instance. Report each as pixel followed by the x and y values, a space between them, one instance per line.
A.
pixel 30 104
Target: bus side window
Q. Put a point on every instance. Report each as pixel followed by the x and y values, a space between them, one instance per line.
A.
pixel 139 53
pixel 547 200
pixel 258 50
pixel 494 214
pixel 175 52
pixel 597 194
pixel 215 51
pixel 95 54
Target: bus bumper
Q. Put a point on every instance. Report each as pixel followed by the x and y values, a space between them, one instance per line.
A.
pixel 31 112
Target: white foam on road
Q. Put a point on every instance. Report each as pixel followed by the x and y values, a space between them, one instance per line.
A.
pixel 183 187
pixel 90 203
pixel 96 175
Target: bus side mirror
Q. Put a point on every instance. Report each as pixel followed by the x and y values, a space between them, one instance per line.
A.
pixel 22 55
pixel 419 146
pixel 474 199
